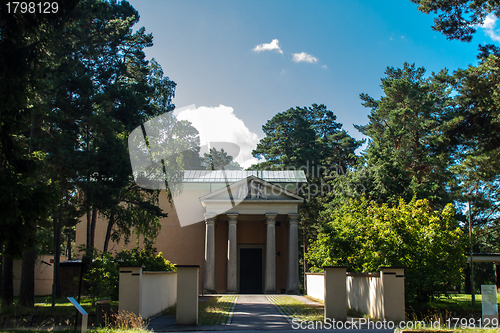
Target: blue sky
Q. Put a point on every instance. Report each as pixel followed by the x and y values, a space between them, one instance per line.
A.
pixel 222 56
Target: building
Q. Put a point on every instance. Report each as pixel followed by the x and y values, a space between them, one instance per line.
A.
pixel 241 227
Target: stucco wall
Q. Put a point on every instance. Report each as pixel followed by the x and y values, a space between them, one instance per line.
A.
pixel 366 292
pixel 186 245
pixel 180 245
pixel 146 293
pixel 43 275
pixel 315 283
pixel 159 291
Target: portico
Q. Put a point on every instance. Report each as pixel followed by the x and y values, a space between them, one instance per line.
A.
pixel 251 214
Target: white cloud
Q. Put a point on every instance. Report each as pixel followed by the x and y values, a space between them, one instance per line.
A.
pixel 274 45
pixel 324 66
pixel 489 22
pixel 489 25
pixel 304 57
pixel 220 124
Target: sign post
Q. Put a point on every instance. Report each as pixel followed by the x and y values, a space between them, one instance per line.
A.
pixel 489 304
pixel 82 312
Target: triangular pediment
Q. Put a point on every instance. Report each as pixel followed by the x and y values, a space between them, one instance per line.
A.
pixel 251 189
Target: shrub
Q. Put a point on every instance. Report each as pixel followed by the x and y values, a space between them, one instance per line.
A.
pixel 363 236
pixel 103 274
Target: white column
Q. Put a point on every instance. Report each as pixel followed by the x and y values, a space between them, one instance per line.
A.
pixel 232 255
pixel 210 253
pixel 293 255
pixel 271 254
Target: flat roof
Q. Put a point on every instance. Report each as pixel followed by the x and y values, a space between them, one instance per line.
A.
pixel 231 176
pixel 484 257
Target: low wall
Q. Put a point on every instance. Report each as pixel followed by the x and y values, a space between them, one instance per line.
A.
pixel 365 292
pixel 159 291
pixel 146 293
pixel 44 273
pixel 316 285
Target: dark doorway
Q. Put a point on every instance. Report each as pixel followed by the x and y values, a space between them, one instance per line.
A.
pixel 250 271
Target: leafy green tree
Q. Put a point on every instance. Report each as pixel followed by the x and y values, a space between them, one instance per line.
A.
pixel 26 42
pixel 459 19
pixel 364 235
pixel 311 140
pixel 474 134
pixel 104 88
pixel 72 86
pixel 218 160
pixel 406 155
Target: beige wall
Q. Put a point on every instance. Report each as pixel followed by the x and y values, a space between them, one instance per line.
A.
pixel 364 293
pixel 186 245
pixel 159 291
pixel 315 284
pixel 43 275
pixel 180 245
pixel 146 293
pixel 379 295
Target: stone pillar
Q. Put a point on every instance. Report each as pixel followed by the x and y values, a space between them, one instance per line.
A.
pixel 335 293
pixel 210 253
pixel 393 286
pixel 497 274
pixel 293 255
pixel 232 255
pixel 271 254
pixel 187 295
pixel 129 289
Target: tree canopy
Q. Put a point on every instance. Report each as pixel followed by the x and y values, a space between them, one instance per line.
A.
pixel 364 235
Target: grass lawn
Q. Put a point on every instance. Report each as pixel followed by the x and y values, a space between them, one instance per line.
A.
pixel 451 302
pixel 216 310
pixel 43 307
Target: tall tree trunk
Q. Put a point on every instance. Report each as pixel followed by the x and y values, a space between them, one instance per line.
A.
pixel 92 227
pixel 2 251
pixel 111 223
pixel 8 283
pixel 89 229
pixel 57 255
pixel 27 292
pixel 68 245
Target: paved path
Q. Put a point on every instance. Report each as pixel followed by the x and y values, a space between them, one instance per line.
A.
pixel 256 312
pixel 251 313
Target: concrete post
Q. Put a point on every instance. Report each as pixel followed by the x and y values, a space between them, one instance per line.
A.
pixel 129 289
pixel 232 255
pixel 335 293
pixel 187 294
pixel 293 255
pixel 497 275
pixel 271 254
pixel 210 253
pixel 393 293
